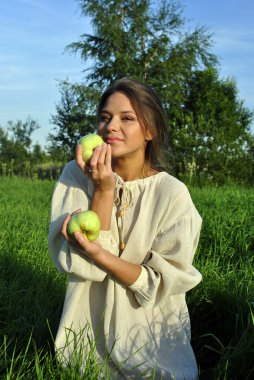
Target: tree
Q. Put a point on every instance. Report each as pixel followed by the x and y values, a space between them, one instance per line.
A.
pixel 12 154
pixel 142 41
pixel 213 132
pixel 75 117
pixel 16 153
pixel 22 131
pixel 149 41
pixel 38 155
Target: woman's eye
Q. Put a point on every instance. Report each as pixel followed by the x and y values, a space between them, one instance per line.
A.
pixel 104 118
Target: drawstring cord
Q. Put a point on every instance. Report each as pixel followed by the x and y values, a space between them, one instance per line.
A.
pixel 123 199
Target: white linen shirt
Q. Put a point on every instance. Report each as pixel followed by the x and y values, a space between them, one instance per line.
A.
pixel 145 326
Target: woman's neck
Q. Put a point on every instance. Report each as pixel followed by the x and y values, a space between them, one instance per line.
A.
pixel 130 172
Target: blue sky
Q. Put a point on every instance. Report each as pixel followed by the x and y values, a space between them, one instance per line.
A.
pixel 34 34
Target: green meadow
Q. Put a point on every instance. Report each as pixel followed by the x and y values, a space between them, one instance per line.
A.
pixel 32 291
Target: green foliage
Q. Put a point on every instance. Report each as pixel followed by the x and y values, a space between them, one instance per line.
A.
pixel 209 127
pixel 76 116
pixel 22 131
pixel 32 291
pixel 214 131
pixel 12 151
pixel 142 41
pixel 18 157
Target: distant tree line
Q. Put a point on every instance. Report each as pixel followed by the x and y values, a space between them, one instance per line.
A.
pixel 19 157
pixel 209 127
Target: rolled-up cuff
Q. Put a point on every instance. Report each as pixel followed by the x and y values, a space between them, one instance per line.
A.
pixel 144 288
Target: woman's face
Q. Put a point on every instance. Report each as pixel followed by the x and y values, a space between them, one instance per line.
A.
pixel 119 127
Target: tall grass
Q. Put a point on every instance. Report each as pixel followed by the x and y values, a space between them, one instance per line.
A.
pixel 222 306
pixel 32 291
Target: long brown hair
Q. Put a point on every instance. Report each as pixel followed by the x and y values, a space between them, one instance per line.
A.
pixel 148 108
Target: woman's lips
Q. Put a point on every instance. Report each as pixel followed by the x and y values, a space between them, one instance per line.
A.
pixel 112 140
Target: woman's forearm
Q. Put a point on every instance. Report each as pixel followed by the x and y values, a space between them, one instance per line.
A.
pixel 102 204
pixel 123 271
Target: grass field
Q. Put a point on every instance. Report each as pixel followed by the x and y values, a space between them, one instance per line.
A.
pixel 32 291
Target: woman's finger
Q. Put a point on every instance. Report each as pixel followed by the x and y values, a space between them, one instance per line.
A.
pixel 94 159
pixel 76 211
pixel 64 227
pixel 89 248
pixel 81 240
pixel 65 234
pixel 108 160
pixel 102 157
pixel 79 159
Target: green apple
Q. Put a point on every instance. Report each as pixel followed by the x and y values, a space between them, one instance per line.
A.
pixel 89 143
pixel 86 222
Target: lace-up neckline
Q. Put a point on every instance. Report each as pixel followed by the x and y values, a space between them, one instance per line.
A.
pixel 123 200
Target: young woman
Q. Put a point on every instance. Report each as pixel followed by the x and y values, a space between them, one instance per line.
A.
pixel 129 285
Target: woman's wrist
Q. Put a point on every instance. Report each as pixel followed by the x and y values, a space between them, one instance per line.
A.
pixel 102 199
pixel 99 256
pixel 102 204
pixel 99 192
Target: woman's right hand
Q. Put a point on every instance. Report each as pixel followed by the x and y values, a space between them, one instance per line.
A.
pixel 100 172
pixel 99 168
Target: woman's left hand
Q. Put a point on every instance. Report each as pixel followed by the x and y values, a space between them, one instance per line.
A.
pixel 90 249
pixel 123 271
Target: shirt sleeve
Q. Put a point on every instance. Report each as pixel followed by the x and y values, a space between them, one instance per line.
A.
pixel 70 194
pixel 167 269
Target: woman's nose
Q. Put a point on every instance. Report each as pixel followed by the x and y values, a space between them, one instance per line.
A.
pixel 113 124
